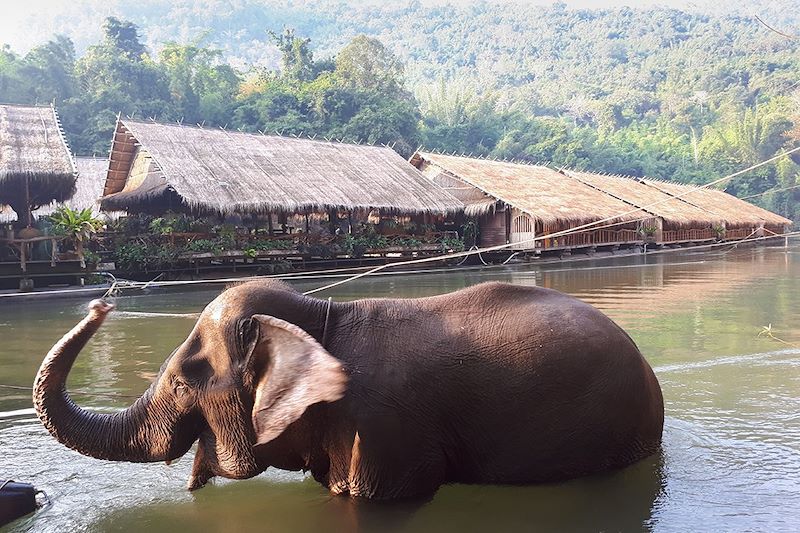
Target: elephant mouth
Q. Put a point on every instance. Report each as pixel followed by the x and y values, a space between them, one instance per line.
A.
pixel 208 463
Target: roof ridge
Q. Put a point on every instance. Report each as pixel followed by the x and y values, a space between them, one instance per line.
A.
pixel 490 158
pixel 35 106
pixel 63 136
pixel 257 133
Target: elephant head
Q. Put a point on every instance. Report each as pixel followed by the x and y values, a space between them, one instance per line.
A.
pixel 238 380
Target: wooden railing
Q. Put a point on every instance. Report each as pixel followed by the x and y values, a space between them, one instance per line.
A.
pixel 688 235
pixel 739 233
pixel 589 238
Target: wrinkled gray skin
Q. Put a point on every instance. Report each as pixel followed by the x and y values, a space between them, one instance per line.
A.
pixel 491 384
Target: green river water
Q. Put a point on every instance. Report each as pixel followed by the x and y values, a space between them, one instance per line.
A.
pixel 731 454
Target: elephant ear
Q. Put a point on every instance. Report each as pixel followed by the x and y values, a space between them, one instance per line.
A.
pixel 292 372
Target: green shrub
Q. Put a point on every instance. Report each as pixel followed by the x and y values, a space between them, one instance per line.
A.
pixel 139 255
pixel 273 244
pixel 204 246
pixel 452 243
pixel 171 223
pixel 90 256
pixel 408 242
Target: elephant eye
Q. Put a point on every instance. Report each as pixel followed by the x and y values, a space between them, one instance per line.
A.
pixel 181 389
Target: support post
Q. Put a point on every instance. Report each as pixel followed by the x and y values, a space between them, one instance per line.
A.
pixel 508 223
pixel 23 256
pixel 333 216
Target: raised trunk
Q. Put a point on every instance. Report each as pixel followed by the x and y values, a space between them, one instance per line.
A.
pixel 144 432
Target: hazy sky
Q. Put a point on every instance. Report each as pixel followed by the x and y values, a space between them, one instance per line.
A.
pixel 15 11
pixel 26 23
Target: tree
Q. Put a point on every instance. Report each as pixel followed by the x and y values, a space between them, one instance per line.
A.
pixel 201 87
pixel 123 36
pixel 12 88
pixel 297 60
pixel 116 76
pixel 50 71
pixel 366 64
pixel 385 120
pixel 456 117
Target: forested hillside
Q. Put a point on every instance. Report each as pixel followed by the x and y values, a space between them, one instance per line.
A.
pixel 684 95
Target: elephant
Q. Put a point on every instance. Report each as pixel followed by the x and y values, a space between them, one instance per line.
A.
pixel 384 399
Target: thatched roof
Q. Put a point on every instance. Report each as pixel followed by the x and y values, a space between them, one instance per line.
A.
pixel 543 193
pixel 89 188
pixel 733 211
pixel 91 179
pixel 232 172
pixel 33 148
pixel 631 191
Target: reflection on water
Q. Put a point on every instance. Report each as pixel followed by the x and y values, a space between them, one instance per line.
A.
pixel 731 457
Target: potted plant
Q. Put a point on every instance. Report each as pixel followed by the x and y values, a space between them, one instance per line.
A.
pixel 649 233
pixel 76 226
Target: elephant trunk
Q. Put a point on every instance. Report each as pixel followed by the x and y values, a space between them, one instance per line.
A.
pixel 141 433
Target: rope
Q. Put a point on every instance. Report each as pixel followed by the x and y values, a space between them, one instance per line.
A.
pixel 325 274
pixel 112 290
pixel 119 284
pixel 766 331
pixel 736 243
pixel 473 247
pixel 510 257
pixel 769 191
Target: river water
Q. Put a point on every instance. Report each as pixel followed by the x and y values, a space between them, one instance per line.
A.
pixel 731 454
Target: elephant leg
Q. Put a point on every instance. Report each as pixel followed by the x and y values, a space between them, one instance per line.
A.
pixel 392 472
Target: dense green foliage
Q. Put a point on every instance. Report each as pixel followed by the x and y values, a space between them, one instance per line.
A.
pixel 689 96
